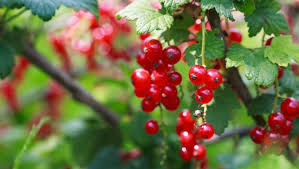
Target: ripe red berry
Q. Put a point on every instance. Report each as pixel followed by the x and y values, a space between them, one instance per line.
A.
pixel 140 92
pixel 169 91
pixel 205 131
pixel 171 103
pixel 159 78
pixel 269 41
pixel 187 139
pixel 280 72
pixel 290 108
pixel 185 116
pixel 140 78
pixel 174 78
pixel 143 61
pixel 184 126
pixel 234 36
pixel 154 93
pixel 197 74
pixel 197 24
pixel 258 134
pixel 148 105
pixel 153 49
pixel 160 66
pixel 287 127
pixel 213 79
pixel 199 152
pixel 151 127
pixel 172 54
pixel 276 122
pixel 144 36
pixel 203 95
pixel 271 138
pixel 186 154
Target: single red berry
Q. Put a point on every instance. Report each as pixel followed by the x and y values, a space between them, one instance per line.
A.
pixel 186 154
pixel 269 41
pixel 159 78
pixel 160 66
pixel 280 72
pixel 140 92
pixel 185 116
pixel 187 139
pixel 171 103
pixel 272 138
pixel 144 36
pixel 234 35
pixel 140 78
pixel 143 61
pixel 172 54
pixel 213 79
pixel 148 105
pixel 199 152
pixel 204 95
pixel 287 127
pixel 197 74
pixel 169 91
pixel 153 49
pixel 276 122
pixel 183 126
pixel 154 93
pixel 205 131
pixel 290 108
pixel 174 78
pixel 197 24
pixel 151 127
pixel 258 134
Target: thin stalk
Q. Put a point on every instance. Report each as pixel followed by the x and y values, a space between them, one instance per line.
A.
pixel 16 15
pixel 164 142
pixel 203 43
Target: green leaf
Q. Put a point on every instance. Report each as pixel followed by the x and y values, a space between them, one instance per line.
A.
pixel 223 7
pixel 47 8
pixel 172 5
pixel 246 6
pixel 266 16
pixel 6 59
pixel 107 158
pixel 262 105
pixel 257 67
pixel 295 129
pixel 282 51
pixel 191 53
pixel 288 83
pixel 219 113
pixel 10 4
pixel 179 29
pixel 147 18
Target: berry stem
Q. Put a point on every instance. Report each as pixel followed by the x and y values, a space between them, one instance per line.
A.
pixel 203 43
pixel 276 95
pixel 164 142
pixel 227 24
pixel 205 108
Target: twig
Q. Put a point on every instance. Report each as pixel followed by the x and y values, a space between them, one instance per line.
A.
pixel 69 84
pixel 241 132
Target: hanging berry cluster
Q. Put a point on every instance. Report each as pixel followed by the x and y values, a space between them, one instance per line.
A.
pixel 280 125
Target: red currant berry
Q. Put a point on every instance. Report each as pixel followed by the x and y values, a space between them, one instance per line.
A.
pixel 174 78
pixel 172 54
pixel 235 35
pixel 269 41
pixel 154 93
pixel 171 103
pixel 169 91
pixel 148 105
pixel 258 134
pixel 280 72
pixel 187 139
pixel 197 24
pixel 199 152
pixel 140 78
pixel 143 61
pixel 151 127
pixel 186 154
pixel 197 74
pixel 185 116
pixel 203 95
pixel 183 126
pixel 160 66
pixel 205 131
pixel 290 108
pixel 276 122
pixel 287 127
pixel 153 49
pixel 140 92
pixel 272 138
pixel 159 78
pixel 144 36
pixel 213 79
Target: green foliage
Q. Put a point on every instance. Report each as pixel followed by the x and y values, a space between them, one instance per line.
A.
pixel 266 16
pixel 282 51
pixel 289 83
pixel 219 113
pixel 223 7
pixel 295 129
pixel 147 18
pixel 107 158
pixel 6 59
pixel 262 105
pixel 47 8
pixel 254 63
pixel 172 5
pixel 245 6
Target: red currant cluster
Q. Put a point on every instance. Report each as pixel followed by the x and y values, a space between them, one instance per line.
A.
pixel 280 125
pixel 212 78
pixel 156 81
pixel 190 135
